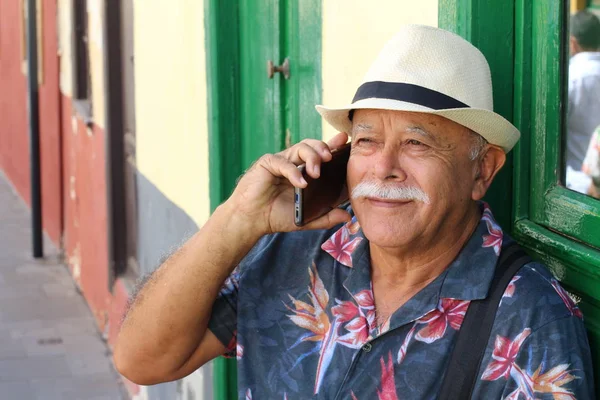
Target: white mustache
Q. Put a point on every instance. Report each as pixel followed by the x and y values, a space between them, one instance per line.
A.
pixel 388 192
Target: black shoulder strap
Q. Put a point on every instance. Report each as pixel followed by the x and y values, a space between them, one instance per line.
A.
pixel 465 360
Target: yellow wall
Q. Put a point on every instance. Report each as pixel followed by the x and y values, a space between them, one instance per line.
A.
pixel 354 31
pixel 95 9
pixel 170 95
pixel 577 5
pixel 65 49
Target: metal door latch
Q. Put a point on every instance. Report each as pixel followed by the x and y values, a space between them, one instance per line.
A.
pixel 283 68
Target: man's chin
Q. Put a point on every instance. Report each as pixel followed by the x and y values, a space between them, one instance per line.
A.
pixel 390 233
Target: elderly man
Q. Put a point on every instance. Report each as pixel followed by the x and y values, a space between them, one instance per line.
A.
pixel 367 302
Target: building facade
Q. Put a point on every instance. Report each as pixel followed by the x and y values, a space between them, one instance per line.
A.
pixel 150 110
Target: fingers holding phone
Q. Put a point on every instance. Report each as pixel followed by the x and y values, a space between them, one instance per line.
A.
pixel 313 152
pixel 264 196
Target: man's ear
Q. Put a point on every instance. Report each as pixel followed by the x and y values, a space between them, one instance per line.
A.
pixel 486 169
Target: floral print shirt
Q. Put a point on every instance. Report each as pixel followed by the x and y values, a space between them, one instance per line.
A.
pixel 299 315
pixel 591 163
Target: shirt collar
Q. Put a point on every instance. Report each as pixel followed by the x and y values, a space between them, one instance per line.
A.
pixel 468 277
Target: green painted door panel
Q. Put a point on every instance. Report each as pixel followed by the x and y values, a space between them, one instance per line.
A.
pixel 301 42
pixel 260 96
pixel 276 112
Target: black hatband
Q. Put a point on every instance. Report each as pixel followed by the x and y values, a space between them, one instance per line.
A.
pixel 407 92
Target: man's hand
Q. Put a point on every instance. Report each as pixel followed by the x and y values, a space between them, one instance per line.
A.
pixel 165 337
pixel 264 196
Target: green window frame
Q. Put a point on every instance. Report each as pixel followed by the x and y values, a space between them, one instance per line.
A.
pixel 560 226
pixel 526 45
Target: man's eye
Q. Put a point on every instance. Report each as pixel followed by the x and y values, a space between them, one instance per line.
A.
pixel 364 140
pixel 415 142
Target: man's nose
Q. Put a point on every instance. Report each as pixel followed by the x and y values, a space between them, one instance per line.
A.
pixel 388 164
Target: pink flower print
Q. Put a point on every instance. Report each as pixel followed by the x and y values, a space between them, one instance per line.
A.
pixel 353 226
pixel 366 301
pixel 341 247
pixel 404 347
pixel 239 351
pixel 504 355
pixel 494 239
pixel 364 298
pixel 361 318
pixel 344 311
pixel 231 346
pixel 566 298
pixel 358 333
pixel 449 311
pixel 513 395
pixel 388 384
pixel 510 289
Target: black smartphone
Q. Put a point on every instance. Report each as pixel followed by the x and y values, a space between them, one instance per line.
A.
pixel 325 193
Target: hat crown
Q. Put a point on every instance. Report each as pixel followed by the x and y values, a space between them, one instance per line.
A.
pixel 438 60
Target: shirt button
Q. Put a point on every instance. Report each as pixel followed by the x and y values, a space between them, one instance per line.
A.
pixel 367 347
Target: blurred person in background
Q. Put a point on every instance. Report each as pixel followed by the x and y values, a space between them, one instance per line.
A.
pixel 583 114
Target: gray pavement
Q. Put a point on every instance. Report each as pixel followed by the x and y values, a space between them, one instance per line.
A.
pixel 50 347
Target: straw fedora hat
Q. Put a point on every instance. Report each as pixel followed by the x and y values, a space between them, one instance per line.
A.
pixel 430 70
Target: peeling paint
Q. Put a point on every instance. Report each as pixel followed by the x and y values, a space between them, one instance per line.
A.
pixel 75 263
pixel 72 191
pixel 74 125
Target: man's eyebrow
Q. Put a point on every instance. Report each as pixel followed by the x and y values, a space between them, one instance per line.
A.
pixel 361 128
pixel 420 131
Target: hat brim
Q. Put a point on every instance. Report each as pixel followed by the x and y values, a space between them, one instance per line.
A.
pixel 493 127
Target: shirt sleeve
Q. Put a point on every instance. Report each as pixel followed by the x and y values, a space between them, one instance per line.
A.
pixel 223 321
pixel 554 361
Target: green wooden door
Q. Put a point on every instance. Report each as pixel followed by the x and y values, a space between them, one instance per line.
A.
pixel 250 113
pixel 260 96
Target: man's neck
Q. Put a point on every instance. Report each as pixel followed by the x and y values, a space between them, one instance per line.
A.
pixel 413 267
